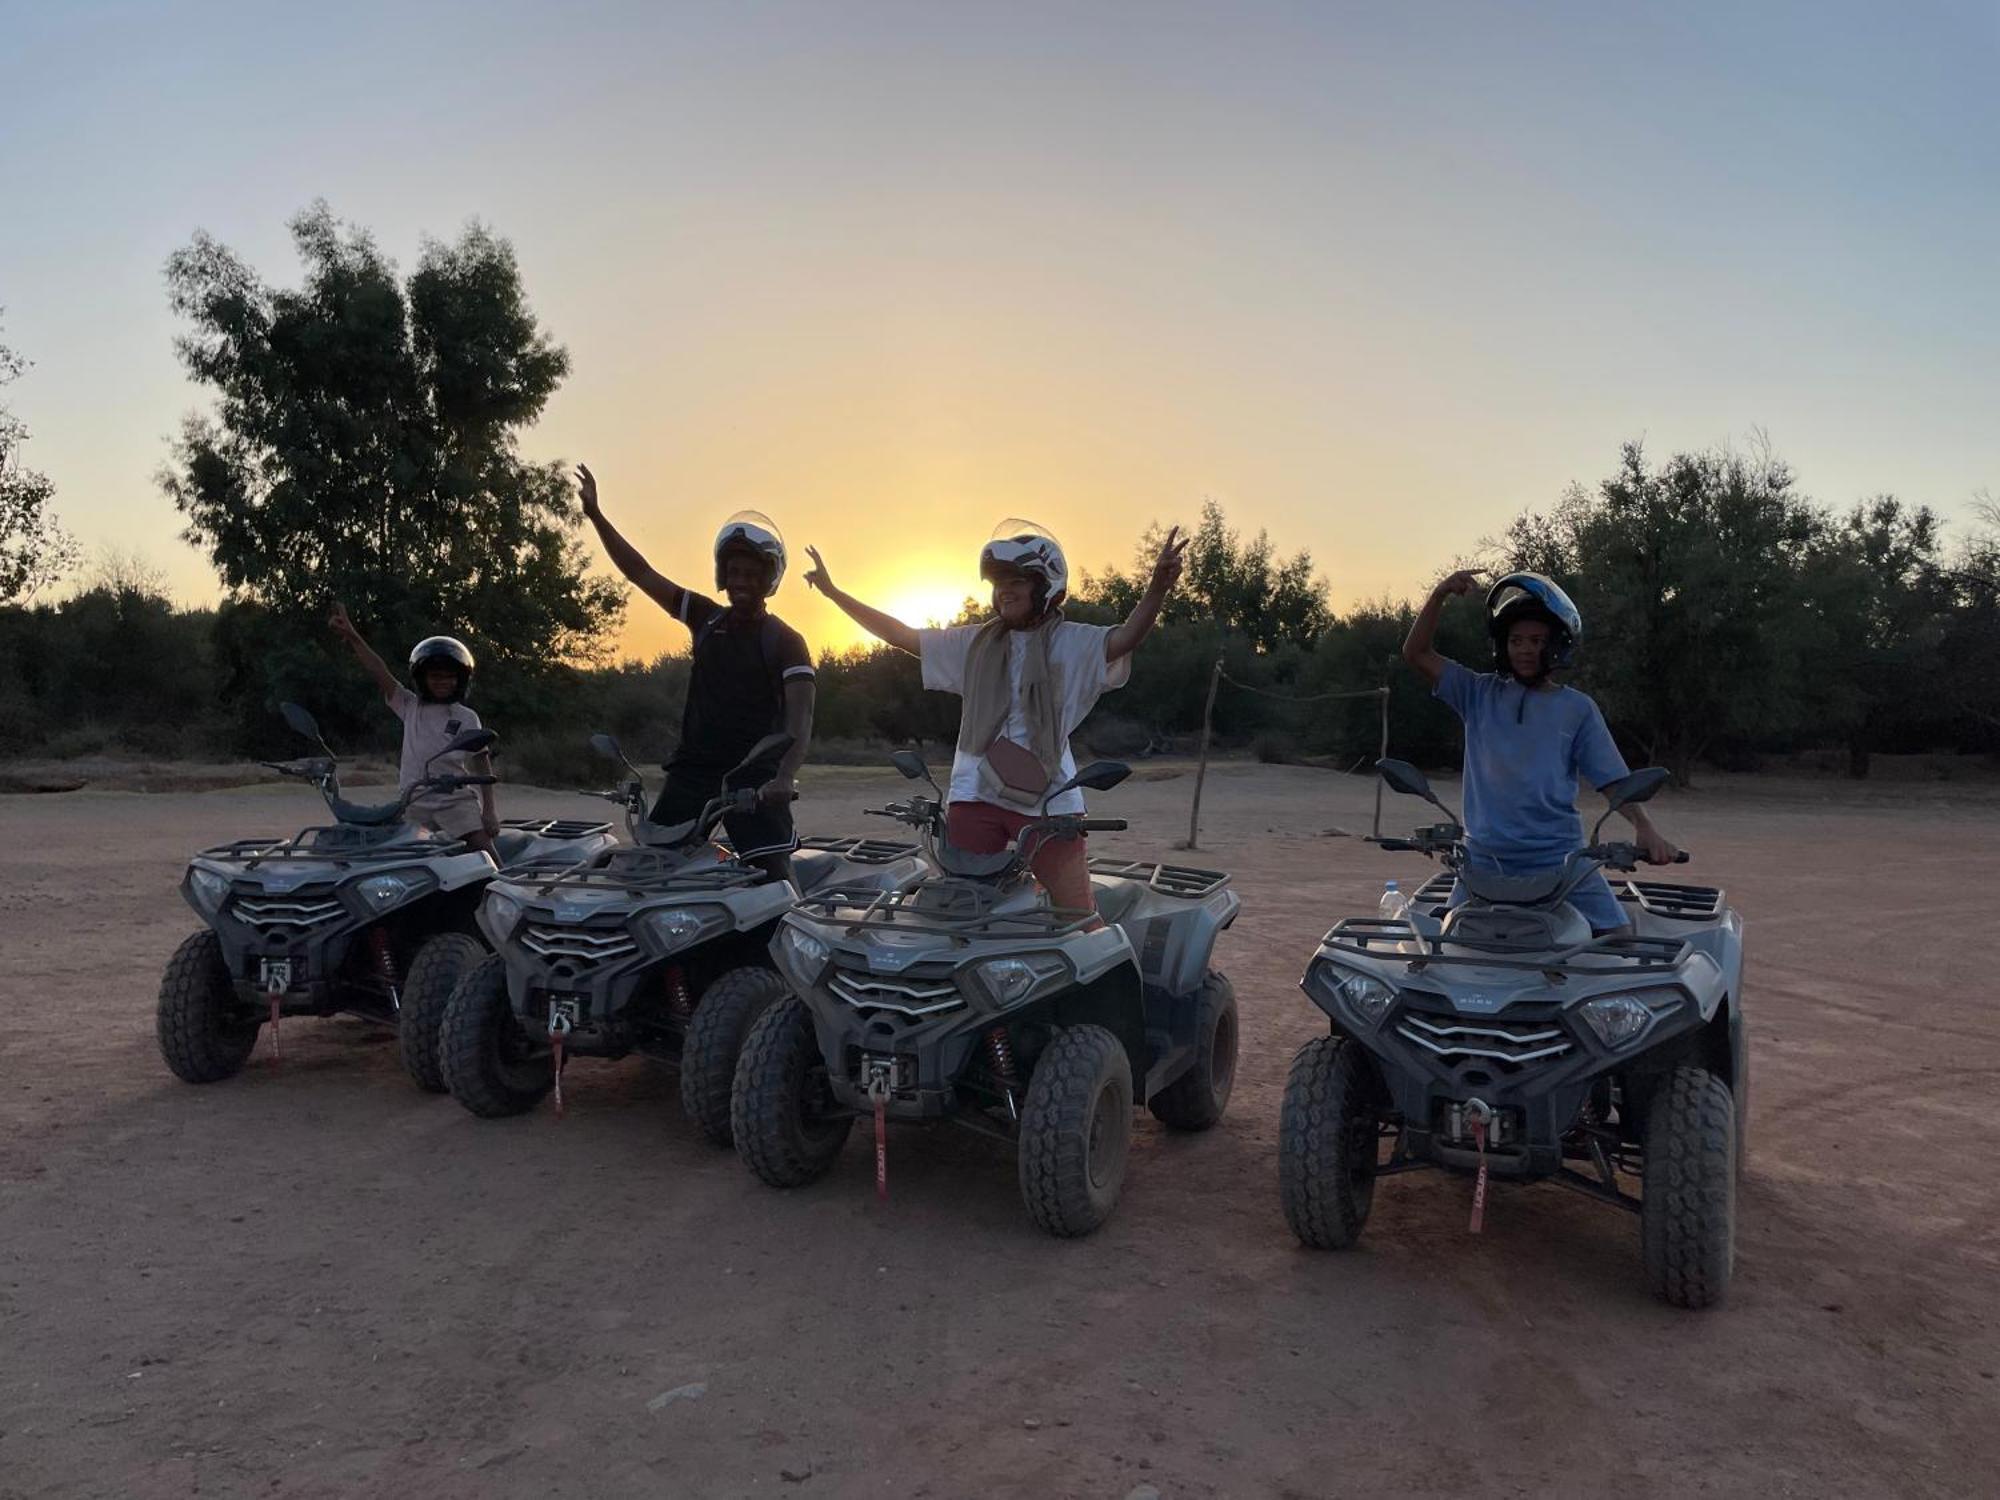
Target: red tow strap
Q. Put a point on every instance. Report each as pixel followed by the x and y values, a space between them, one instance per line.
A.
pixel 277 1052
pixel 555 1046
pixel 1479 1184
pixel 881 1149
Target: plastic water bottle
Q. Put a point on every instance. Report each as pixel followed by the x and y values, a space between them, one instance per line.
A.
pixel 1395 905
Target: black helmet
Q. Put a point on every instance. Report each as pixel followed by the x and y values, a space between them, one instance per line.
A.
pixel 1530 596
pixel 446 652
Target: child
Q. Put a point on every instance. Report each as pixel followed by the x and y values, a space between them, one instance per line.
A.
pixel 750 677
pixel 433 715
pixel 1527 740
pixel 1028 678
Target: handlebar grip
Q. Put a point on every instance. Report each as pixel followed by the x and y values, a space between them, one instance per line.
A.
pixel 1681 857
pixel 1104 825
pixel 1396 844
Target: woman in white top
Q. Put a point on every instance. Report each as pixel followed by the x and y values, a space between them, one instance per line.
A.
pixel 1028 678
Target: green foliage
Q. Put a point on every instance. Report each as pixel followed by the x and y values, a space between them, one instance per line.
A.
pixel 364 447
pixel 34 550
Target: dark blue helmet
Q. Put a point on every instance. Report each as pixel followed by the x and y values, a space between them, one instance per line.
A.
pixel 1530 596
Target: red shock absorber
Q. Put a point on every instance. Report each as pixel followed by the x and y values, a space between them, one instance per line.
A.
pixel 1000 1058
pixel 385 966
pixel 678 998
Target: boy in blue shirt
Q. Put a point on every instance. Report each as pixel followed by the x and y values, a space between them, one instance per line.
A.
pixel 1528 739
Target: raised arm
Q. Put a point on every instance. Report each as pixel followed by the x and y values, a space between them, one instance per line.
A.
pixel 1418 650
pixel 363 652
pixel 883 627
pixel 625 557
pixel 1124 639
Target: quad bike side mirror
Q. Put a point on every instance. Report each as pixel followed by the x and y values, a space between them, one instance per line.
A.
pixel 1640 786
pixel 472 742
pixel 910 764
pixel 1405 778
pixel 301 722
pixel 762 760
pixel 1099 775
pixel 606 746
pixel 1629 791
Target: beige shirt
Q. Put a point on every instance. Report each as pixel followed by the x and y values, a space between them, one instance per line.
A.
pixel 427 729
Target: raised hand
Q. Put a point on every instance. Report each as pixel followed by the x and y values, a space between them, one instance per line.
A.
pixel 817 576
pixel 1167 567
pixel 342 625
pixel 1461 583
pixel 586 490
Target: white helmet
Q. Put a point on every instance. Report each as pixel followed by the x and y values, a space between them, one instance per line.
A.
pixel 754 532
pixel 1029 547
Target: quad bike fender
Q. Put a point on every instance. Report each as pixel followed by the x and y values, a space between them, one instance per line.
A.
pixel 1114 1000
pixel 455 872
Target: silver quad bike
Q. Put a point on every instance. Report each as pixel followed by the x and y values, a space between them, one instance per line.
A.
pixel 660 947
pixel 368 915
pixel 967 997
pixel 1502 1039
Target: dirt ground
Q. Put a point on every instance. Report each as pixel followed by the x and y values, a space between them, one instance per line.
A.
pixel 318 1281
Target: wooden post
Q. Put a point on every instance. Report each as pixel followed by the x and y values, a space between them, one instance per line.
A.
pixel 1383 694
pixel 1201 771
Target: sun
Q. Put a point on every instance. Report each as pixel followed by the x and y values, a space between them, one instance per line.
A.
pixel 927 604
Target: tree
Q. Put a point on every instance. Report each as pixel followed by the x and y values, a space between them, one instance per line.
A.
pixel 1229 582
pixel 364 446
pixel 34 550
pixel 1698 628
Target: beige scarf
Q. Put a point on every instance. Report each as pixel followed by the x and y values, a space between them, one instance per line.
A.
pixel 989 699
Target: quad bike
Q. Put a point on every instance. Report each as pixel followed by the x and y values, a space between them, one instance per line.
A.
pixel 968 997
pixel 660 947
pixel 1501 1039
pixel 368 915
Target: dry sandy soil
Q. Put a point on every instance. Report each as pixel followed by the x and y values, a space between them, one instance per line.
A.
pixel 317 1281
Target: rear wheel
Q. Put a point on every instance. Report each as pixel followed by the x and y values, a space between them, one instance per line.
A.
pixel 1076 1131
pixel 1328 1135
pixel 205 1034
pixel 1196 1099
pixel 492 1064
pixel 1687 1210
pixel 722 1019
pixel 434 973
pixel 787 1126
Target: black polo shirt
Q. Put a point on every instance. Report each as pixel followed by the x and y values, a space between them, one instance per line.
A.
pixel 736 686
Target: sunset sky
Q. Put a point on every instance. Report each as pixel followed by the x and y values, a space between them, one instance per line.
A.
pixel 1375 277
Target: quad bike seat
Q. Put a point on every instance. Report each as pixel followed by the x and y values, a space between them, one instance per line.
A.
pixel 1513 890
pixel 969 866
pixel 812 868
pixel 510 844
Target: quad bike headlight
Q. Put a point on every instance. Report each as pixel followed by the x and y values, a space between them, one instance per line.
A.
pixel 1365 998
pixel 498 914
pixel 803 956
pixel 1008 981
pixel 381 892
pixel 672 927
pixel 209 889
pixel 1620 1020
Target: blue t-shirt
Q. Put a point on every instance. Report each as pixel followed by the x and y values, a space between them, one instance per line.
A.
pixel 1524 750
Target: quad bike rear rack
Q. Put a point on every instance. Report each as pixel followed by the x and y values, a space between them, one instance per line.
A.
pixel 639 868
pixel 1657 898
pixel 1376 937
pixel 1183 881
pixel 900 910
pixel 862 851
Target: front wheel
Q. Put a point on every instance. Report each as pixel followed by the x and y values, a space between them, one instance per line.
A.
pixel 1328 1132
pixel 722 1018
pixel 1687 1208
pixel 434 974
pixel 492 1064
pixel 1076 1131
pixel 205 1034
pixel 1196 1099
pixel 788 1129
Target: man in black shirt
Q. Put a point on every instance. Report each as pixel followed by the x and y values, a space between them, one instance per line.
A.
pixel 750 677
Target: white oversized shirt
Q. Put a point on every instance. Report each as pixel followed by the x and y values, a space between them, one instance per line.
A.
pixel 1076 652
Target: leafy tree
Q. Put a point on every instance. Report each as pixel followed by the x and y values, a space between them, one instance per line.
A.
pixel 1229 582
pixel 364 446
pixel 34 550
pixel 1689 579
